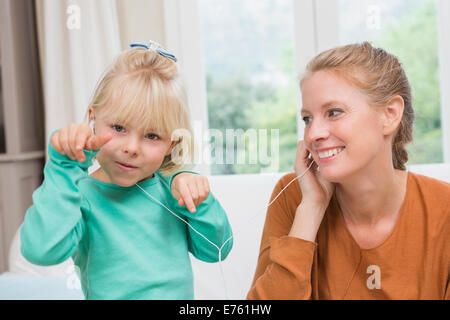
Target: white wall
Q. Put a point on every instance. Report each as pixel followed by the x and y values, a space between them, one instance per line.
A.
pixel 140 20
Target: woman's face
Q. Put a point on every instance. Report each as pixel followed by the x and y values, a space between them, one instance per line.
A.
pixel 343 132
pixel 128 146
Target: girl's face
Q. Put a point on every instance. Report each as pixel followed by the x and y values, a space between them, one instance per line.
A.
pixel 145 153
pixel 342 131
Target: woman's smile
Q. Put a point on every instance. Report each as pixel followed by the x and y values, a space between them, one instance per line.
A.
pixel 330 154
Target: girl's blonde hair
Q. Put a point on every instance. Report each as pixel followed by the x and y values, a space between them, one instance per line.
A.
pixel 143 87
pixel 380 76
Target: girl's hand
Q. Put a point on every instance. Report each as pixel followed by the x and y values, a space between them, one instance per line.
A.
pixel 72 139
pixel 315 189
pixel 190 189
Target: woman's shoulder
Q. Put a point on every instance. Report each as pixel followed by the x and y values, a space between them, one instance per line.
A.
pixel 431 194
pixel 431 187
pixel 288 188
pixel 286 178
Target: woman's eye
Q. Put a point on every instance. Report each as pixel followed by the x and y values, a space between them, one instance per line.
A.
pixel 335 111
pixel 306 120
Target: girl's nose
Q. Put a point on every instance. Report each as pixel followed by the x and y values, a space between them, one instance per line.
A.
pixel 131 145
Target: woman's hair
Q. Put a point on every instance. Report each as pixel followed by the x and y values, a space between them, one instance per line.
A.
pixel 143 87
pixel 380 76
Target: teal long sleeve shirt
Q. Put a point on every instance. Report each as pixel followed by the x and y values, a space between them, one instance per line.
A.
pixel 125 244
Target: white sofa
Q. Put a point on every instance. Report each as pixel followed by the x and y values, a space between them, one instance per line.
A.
pixel 244 197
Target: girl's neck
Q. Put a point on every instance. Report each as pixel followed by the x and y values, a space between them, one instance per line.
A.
pixel 100 175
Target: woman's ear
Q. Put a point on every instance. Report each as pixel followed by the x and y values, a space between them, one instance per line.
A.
pixel 392 114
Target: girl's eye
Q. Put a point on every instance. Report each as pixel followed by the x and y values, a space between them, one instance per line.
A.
pixel 152 136
pixel 115 126
pixel 119 128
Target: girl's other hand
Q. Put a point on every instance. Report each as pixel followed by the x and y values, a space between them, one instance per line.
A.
pixel 190 189
pixel 71 140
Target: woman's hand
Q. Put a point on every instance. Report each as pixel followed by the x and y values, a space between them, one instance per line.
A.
pixel 316 195
pixel 71 140
pixel 190 189
pixel 315 189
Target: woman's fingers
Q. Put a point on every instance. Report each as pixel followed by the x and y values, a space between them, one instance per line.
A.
pixel 301 160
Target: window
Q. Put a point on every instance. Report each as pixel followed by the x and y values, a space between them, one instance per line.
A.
pixel 409 30
pixel 251 54
pixel 248 52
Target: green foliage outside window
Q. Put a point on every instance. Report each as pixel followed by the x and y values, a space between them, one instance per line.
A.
pixel 237 101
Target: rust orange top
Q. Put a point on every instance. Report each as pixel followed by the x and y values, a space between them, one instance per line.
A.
pixel 413 262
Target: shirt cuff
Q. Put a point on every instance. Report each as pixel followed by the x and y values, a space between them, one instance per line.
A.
pixel 292 249
pixel 64 158
pixel 178 172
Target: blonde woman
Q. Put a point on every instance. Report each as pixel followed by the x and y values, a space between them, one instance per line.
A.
pixel 130 224
pixel 358 225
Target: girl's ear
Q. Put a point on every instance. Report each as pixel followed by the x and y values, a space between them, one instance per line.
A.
pixel 91 114
pixel 392 114
pixel 172 145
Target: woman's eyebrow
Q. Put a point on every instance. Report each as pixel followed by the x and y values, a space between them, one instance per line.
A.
pixel 325 105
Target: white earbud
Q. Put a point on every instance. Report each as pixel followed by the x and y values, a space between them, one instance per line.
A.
pixel 91 125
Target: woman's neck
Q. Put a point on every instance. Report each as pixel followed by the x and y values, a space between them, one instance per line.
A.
pixel 370 197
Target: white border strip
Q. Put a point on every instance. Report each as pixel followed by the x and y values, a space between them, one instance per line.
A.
pixel 444 67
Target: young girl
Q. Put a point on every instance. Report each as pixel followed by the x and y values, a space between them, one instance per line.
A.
pixel 116 223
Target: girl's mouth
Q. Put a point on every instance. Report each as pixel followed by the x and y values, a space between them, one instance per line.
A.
pixel 125 167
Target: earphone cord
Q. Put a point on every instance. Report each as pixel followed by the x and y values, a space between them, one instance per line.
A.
pixel 213 244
